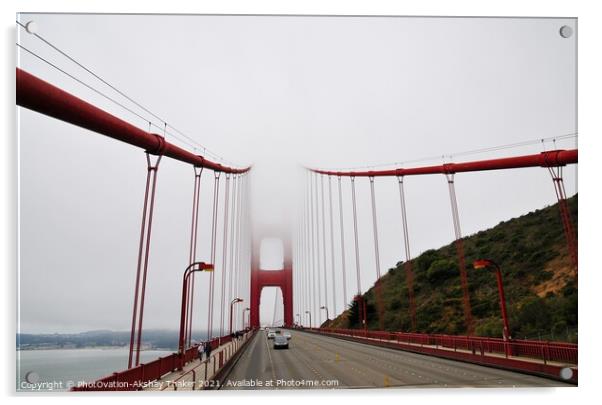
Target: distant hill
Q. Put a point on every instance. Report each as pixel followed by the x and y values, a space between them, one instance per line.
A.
pixel 538 279
pixel 152 338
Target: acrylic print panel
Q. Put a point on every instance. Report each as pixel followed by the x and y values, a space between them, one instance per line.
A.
pixel 419 173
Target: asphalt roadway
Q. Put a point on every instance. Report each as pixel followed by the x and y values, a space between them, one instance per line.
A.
pixel 320 362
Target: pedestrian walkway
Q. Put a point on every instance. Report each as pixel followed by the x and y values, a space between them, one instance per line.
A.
pixel 462 350
pixel 198 374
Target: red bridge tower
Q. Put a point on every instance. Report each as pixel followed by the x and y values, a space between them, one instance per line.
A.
pixel 271 278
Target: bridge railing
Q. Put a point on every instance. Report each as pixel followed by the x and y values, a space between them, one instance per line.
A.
pixel 138 377
pixel 208 372
pixel 544 351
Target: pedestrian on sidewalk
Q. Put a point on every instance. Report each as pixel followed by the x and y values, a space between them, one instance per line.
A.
pixel 207 350
pixel 201 350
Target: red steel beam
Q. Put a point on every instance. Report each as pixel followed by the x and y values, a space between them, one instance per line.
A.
pixel 552 158
pixel 38 95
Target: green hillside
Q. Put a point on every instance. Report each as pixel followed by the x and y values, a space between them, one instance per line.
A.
pixel 538 280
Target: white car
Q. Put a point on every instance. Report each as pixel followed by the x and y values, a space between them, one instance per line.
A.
pixel 271 334
pixel 280 342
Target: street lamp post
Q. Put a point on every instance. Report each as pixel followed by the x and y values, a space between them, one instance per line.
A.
pixel 309 313
pixel 234 301
pixel 327 316
pixel 484 263
pixel 194 267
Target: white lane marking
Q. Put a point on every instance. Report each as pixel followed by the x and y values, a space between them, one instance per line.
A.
pixel 270 357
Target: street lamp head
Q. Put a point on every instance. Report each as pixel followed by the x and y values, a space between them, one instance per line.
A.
pixel 482 263
pixel 207 266
pixel 201 266
pixel 307 312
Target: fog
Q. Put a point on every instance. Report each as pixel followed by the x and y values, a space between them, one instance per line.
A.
pixel 278 93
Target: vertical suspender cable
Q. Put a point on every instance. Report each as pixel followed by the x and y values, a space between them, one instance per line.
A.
pixel 142 266
pixel 246 252
pixel 301 269
pixel 357 252
pixel 334 288
pixel 565 214
pixel 299 272
pixel 324 242
pixel 381 308
pixel 213 243
pixel 295 266
pixel 305 264
pixel 235 181
pixel 295 263
pixel 274 310
pixel 192 254
pixel 152 170
pixel 308 251
pixel 344 271
pixel 247 256
pixel 313 252
pixel 237 272
pixel 408 263
pixel 318 267
pixel 138 267
pixel 460 253
pixel 224 254
pixel 239 244
pixel 358 298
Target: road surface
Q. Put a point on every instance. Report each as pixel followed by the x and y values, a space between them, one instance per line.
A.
pixel 321 362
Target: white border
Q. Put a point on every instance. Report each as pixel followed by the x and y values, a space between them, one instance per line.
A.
pixel 590 33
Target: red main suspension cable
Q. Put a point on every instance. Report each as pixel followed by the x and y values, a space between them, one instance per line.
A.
pixel 40 96
pixel 551 158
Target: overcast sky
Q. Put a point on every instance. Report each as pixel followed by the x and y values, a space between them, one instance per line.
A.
pixel 276 92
